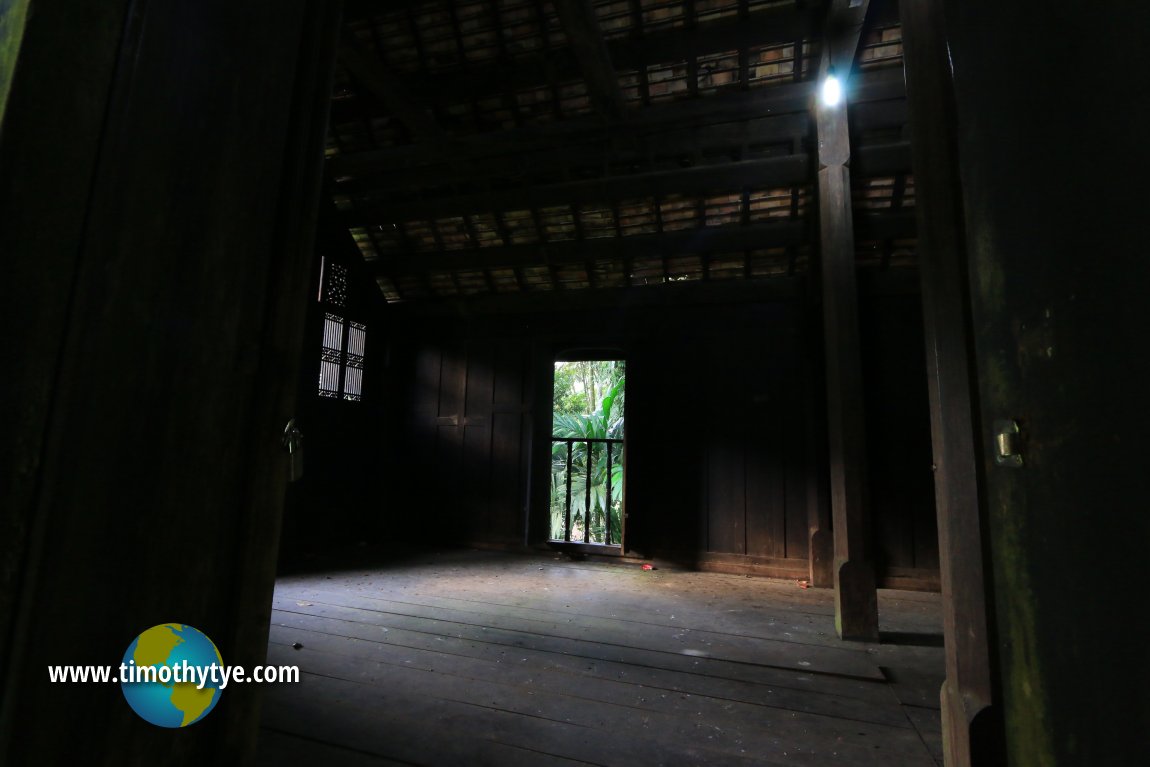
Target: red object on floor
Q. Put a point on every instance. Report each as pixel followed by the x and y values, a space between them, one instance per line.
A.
pixel 648 567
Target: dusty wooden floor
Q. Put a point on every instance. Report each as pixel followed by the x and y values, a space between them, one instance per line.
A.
pixel 458 658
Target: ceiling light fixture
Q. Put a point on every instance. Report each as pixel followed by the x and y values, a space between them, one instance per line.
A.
pixel 832 89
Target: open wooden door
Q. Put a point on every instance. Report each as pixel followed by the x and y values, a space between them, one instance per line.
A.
pixel 1053 156
pixel 159 172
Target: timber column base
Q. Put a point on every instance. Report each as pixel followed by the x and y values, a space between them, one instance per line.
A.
pixel 856 601
pixel 971 734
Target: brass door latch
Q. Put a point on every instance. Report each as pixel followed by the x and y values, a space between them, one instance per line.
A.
pixel 293 442
pixel 1007 443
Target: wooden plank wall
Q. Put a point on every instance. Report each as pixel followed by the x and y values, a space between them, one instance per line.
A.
pixel 719 469
pixel 349 447
pixel 898 438
pixel 468 427
pixel 717 444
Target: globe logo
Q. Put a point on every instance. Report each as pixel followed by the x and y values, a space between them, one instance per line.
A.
pixel 169 677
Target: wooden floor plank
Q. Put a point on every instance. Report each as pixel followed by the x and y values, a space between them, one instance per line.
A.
pixel 630 687
pixel 407 725
pixel 277 748
pixel 829 697
pixel 678 718
pixel 750 620
pixel 662 659
pixel 781 651
pixel 495 658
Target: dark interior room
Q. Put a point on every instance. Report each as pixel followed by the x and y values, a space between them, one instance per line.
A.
pixel 558 382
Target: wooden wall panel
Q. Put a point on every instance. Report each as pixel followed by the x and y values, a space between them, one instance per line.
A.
pixel 510 438
pixel 421 433
pixel 452 382
pixel 350 446
pixel 898 427
pixel 468 440
pixel 797 469
pixel 794 436
pixel 510 368
pixel 446 513
pixel 764 445
pixel 510 434
pixel 719 451
pixel 425 390
pixel 667 453
pixel 507 481
pixel 726 495
pixel 766 501
pixel 477 438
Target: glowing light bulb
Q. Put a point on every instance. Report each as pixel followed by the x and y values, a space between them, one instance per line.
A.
pixel 832 91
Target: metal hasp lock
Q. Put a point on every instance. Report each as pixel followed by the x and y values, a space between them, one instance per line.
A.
pixel 293 443
pixel 1007 444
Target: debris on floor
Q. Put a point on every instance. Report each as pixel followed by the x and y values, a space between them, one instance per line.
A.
pixel 649 567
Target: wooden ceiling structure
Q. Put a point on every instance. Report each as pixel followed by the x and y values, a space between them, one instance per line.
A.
pixel 510 146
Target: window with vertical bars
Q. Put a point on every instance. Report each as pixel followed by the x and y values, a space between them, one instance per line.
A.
pixel 331 356
pixel 344 340
pixel 353 361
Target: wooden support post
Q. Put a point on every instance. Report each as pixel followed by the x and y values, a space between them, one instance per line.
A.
pixel 856 601
pixel 820 538
pixel 970 735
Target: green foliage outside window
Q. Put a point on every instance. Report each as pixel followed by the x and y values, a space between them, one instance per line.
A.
pixel 589 403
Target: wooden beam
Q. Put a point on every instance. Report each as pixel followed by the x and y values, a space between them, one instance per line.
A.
pixel 841 36
pixel 715 239
pixel 724 139
pixel 672 294
pixel 774 171
pixel 391 205
pixel 586 40
pixel 371 73
pixel 968 716
pixel 754 104
pixel 856 600
pixel 726 239
pixel 358 10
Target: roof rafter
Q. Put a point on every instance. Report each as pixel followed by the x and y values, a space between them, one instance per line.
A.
pixel 586 40
pixel 380 82
pixel 844 28
pixel 772 26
